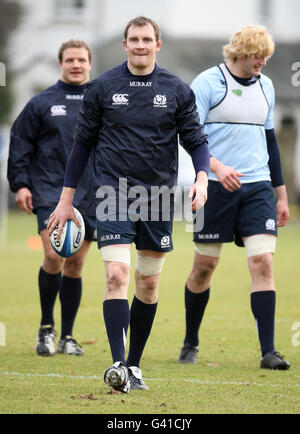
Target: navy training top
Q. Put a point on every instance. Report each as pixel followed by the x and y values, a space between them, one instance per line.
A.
pixel 134 122
pixel 41 139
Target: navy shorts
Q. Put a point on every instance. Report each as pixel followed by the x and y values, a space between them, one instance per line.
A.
pixel 230 216
pixel 43 215
pixel 119 228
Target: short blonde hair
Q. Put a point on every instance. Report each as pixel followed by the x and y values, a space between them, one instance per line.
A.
pixel 249 41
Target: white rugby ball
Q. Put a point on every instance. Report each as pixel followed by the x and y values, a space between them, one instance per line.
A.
pixel 71 237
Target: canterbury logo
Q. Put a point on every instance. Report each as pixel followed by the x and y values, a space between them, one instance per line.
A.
pixel 120 99
pixel 58 110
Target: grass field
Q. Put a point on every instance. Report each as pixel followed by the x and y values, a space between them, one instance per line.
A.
pixel 227 378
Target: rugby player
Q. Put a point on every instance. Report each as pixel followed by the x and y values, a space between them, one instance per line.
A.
pixel 132 116
pixel 41 141
pixel 235 103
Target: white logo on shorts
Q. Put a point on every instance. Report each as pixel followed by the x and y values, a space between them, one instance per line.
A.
pixel 270 225
pixel 165 241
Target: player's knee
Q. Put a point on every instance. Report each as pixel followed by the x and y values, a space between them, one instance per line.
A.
pixel 147 276
pixel 202 274
pixel 73 267
pixel 203 268
pixel 147 288
pixel 261 265
pixel 150 284
pixel 52 262
pixel 117 278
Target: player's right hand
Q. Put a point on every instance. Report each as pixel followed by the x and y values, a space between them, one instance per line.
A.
pixel 229 177
pixel 63 212
pixel 24 200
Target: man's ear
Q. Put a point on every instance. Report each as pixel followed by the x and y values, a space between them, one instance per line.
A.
pixel 159 44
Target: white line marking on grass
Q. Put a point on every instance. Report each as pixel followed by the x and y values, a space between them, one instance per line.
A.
pixel 32 374
pixel 184 380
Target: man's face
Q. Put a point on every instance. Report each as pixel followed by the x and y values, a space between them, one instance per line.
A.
pixel 253 65
pixel 75 66
pixel 141 47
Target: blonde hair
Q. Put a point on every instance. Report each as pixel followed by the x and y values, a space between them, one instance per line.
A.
pixel 249 41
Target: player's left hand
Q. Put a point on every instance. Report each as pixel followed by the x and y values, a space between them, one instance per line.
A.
pixel 283 213
pixel 282 207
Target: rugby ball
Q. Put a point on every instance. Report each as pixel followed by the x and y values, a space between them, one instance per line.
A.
pixel 71 237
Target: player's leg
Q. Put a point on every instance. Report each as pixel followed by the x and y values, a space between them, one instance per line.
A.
pixel 115 236
pixel 153 241
pixel 218 227
pixel 115 307
pixel 116 312
pixel 70 297
pixel 197 290
pixel 256 225
pixel 260 250
pixel 49 281
pixel 149 265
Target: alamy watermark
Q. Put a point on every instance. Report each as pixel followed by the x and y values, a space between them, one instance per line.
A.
pixel 296 76
pixel 139 203
pixel 296 336
pixel 2 335
pixel 2 74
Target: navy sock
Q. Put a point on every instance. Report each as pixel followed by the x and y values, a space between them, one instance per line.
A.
pixel 48 288
pixel 263 308
pixel 141 319
pixel 195 305
pixel 116 317
pixel 70 296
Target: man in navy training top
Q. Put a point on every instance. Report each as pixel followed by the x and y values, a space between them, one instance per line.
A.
pixel 131 116
pixel 235 102
pixel 41 141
